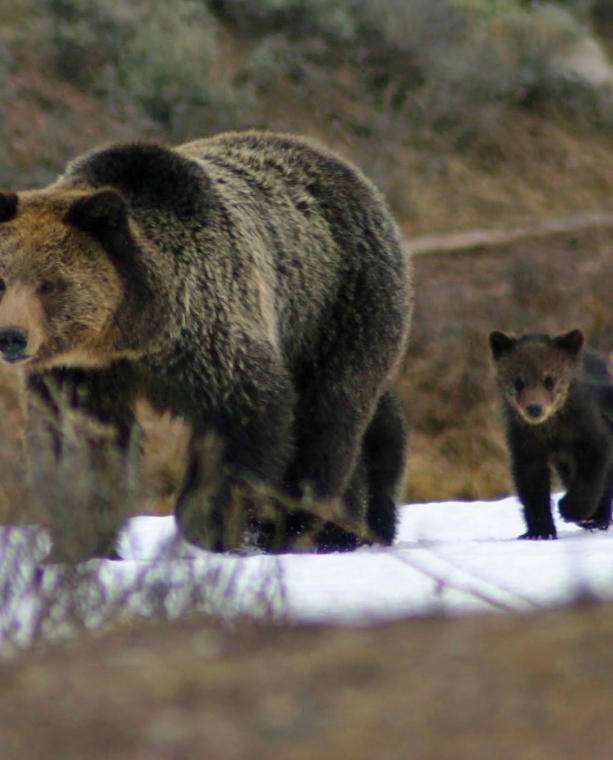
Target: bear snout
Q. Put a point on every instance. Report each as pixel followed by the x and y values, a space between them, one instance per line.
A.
pixel 535 405
pixel 534 410
pixel 13 344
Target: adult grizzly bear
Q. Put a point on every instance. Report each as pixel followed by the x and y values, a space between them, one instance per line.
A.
pixel 252 284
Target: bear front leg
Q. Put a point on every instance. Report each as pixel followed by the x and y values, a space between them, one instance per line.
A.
pixel 84 445
pixel 592 459
pixel 530 469
pixel 232 461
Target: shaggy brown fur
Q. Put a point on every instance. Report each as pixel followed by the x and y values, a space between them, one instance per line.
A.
pixel 558 409
pixel 252 284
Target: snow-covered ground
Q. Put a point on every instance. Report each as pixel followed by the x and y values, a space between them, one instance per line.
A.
pixel 454 557
pixel 451 556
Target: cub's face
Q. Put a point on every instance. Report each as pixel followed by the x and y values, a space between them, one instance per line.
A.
pixel 59 288
pixel 534 373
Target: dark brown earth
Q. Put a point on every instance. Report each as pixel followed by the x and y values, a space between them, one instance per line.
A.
pixel 536 687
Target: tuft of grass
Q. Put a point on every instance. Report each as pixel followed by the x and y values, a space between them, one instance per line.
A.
pixel 79 495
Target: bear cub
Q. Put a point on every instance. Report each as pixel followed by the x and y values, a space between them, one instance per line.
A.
pixel 557 401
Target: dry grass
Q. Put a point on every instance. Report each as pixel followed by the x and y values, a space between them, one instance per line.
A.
pixel 47 603
pixel 545 284
pixel 74 501
pixel 504 687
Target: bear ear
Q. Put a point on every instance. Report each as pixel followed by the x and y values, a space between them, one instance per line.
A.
pixel 8 206
pixel 501 344
pixel 104 215
pixel 570 342
pixel 99 213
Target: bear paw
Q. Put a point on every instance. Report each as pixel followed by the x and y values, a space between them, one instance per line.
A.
pixel 576 508
pixel 595 524
pixel 539 535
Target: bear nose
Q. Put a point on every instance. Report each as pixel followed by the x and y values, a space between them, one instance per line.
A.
pixel 13 343
pixel 534 410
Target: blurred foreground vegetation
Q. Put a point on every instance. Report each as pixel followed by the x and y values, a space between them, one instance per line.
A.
pixel 470 687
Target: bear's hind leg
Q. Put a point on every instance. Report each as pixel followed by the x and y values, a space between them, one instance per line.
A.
pixel 385 451
pixel 331 425
pixel 374 485
pixel 339 385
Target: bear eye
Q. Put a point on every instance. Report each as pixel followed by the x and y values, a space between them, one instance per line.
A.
pixel 549 382
pixel 519 384
pixel 47 286
pixel 2 286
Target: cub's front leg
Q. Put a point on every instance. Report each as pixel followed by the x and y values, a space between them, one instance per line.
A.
pixel 530 468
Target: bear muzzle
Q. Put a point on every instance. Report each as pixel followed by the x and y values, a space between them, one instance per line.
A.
pixel 13 345
pixel 535 411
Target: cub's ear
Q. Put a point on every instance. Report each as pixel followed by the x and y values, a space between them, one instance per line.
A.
pixel 570 342
pixel 501 344
pixel 8 206
pixel 98 213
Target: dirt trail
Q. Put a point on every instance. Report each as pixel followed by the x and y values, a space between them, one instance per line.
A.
pixel 457 241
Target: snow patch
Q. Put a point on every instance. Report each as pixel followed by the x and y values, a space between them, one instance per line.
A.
pixel 450 557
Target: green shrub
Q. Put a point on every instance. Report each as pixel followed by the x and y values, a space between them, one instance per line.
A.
pixel 507 59
pixel 90 35
pixel 160 56
pixel 451 65
pixel 602 10
pixel 295 19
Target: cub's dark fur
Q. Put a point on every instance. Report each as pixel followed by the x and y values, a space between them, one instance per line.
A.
pixel 557 401
pixel 253 284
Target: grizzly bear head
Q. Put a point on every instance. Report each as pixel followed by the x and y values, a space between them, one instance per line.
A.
pixel 65 268
pixel 535 372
